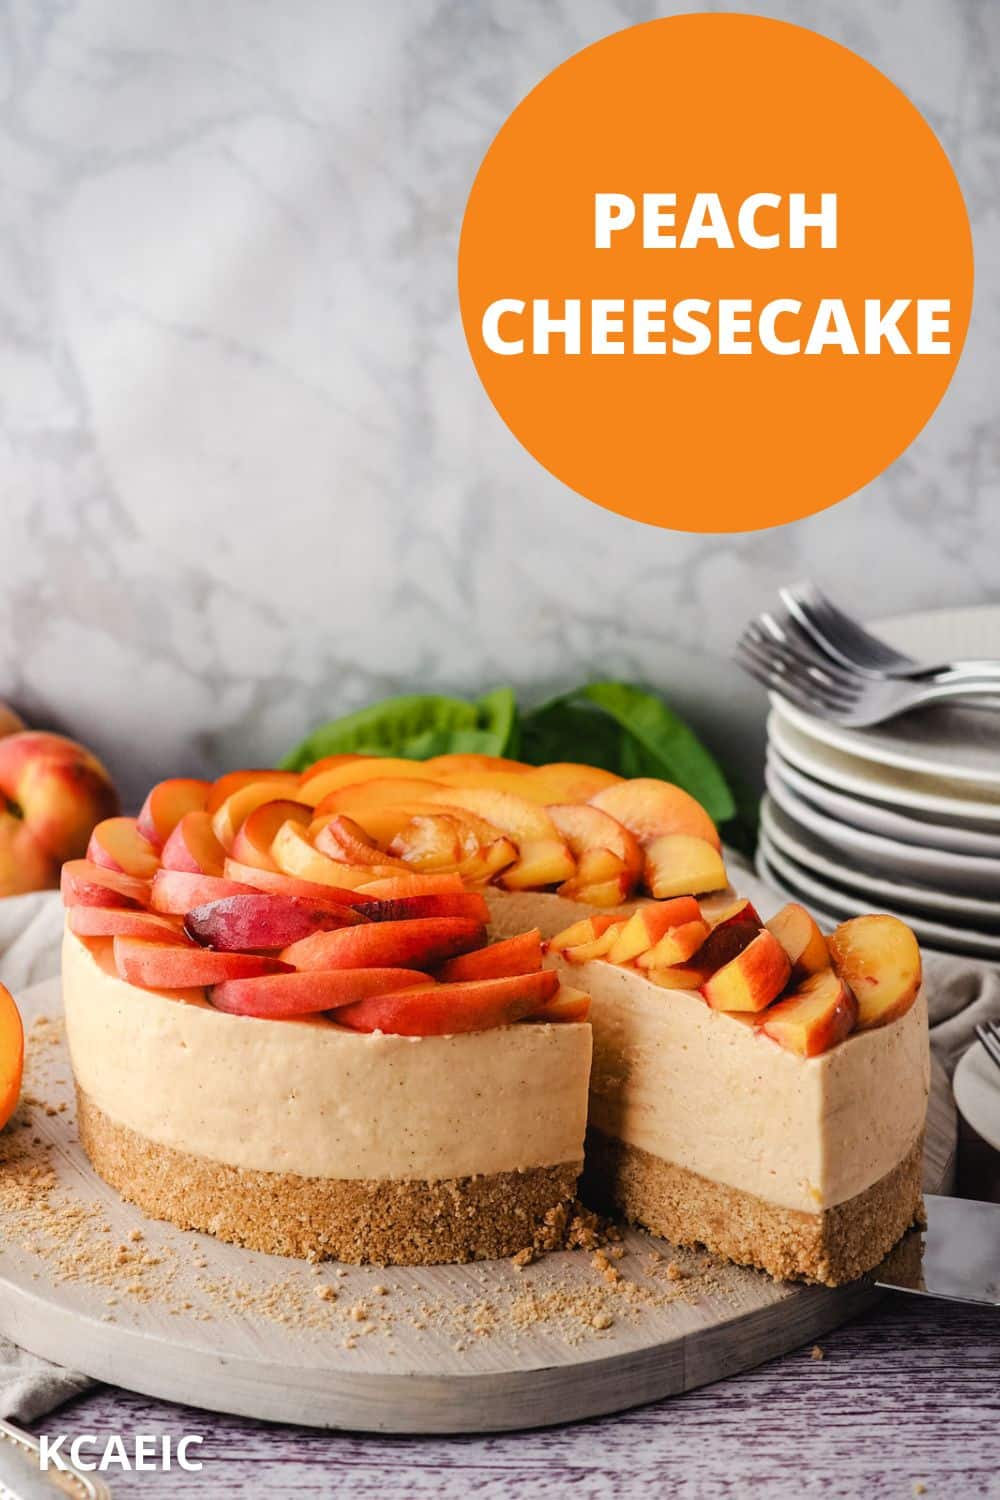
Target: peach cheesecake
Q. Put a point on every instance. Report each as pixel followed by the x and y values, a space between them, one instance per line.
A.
pixel 363 1011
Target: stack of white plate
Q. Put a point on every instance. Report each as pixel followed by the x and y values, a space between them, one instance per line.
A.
pixel 903 818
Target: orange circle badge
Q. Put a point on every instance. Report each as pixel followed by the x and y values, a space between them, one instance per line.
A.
pixel 715 272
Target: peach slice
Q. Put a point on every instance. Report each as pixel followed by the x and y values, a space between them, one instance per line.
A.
pixel 599 947
pixel 293 853
pixel 11 1055
pixel 174 966
pixel 193 847
pixel 285 782
pixel 390 887
pixel 816 1016
pixel 167 803
pixel 751 980
pixel 229 816
pixel 177 892
pixel 254 837
pixel 801 939
pixel 879 959
pixel 649 923
pixel 603 848
pixel 85 884
pixel 432 841
pixel 420 943
pixel 117 844
pixel 446 1009
pixel 721 911
pixel 585 931
pixel 342 838
pixel 678 977
pixel 279 997
pixel 316 786
pixel 434 904
pixel 264 921
pixel 276 880
pixel 567 1004
pixel 675 946
pixel 544 858
pixel 516 955
pixel 122 921
pixel 650 808
pixel 555 783
pixel 476 763
pixel 679 864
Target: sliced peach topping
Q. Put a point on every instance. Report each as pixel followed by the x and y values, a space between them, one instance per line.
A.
pixel 117 844
pixel 316 785
pixel 816 1016
pixel 166 805
pixel 879 959
pixel 678 864
pixel 648 924
pixel 192 846
pixel 801 939
pixel 676 946
pixel 752 979
pixel 11 1055
pixel 650 808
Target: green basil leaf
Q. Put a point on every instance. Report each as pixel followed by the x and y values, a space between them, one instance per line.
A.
pixel 500 723
pixel 416 726
pixel 559 730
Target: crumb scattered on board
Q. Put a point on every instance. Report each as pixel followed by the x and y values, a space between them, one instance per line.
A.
pixel 73 1237
pixel 816 1352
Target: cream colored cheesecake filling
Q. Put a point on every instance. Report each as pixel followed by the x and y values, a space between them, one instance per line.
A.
pixel 314 1098
pixel 707 1092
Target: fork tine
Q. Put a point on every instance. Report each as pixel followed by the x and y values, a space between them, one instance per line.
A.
pixel 803 693
pixel 989 1034
pixel 802 648
pixel 804 671
pixel 839 634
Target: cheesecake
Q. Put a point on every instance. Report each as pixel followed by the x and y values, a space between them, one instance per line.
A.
pixel 381 1011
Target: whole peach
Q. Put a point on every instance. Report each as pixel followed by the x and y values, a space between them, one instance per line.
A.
pixel 52 792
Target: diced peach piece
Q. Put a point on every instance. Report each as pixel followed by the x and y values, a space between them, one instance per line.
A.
pixel 264 921
pixel 85 884
pixel 390 887
pixel 167 803
pixel 11 1055
pixel 648 924
pixel 117 844
pixel 180 891
pixel 254 837
pixel 193 847
pixel 175 966
pixel 606 893
pixel 752 979
pixel 229 816
pixel 285 784
pixel 816 1016
pixel 604 850
pixel 599 947
pixel 123 921
pixel 294 854
pixel 584 931
pixel 675 946
pixel 516 955
pixel 342 838
pixel 721 910
pixel 317 787
pixel 421 943
pixel 650 809
pixel 567 1005
pixel 723 944
pixel 879 959
pixel 446 1009
pixel 678 977
pixel 488 861
pixel 678 864
pixel 801 939
pixel 278 997
pixel 547 862
pixel 276 880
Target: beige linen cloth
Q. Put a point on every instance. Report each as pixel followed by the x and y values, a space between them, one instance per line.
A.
pixel 962 992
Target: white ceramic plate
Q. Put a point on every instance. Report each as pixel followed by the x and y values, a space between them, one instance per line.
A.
pixel 826 919
pixel 884 822
pixel 956 742
pixel 977 1093
pixel 821 898
pixel 928 795
pixel 961 875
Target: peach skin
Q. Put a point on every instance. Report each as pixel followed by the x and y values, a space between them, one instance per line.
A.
pixel 11 1055
pixel 816 1016
pixel 879 959
pixel 752 979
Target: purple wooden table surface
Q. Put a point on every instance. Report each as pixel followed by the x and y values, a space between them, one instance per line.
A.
pixel 906 1396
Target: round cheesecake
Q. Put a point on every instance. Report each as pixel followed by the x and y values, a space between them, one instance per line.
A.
pixel 305 1138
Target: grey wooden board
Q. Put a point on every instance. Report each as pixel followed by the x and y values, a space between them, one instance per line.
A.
pixel 213 1338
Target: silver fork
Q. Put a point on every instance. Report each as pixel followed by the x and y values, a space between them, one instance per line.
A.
pixel 846 640
pixel 842 696
pixel 988 1033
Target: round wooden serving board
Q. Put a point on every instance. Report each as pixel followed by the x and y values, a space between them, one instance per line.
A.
pixel 89 1282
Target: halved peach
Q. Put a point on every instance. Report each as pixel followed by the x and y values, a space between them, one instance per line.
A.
pixel 83 883
pixel 255 878
pixel 647 925
pixel 567 1005
pixel 167 803
pixel 650 808
pixel 316 786
pixel 264 921
pixel 175 966
pixel 879 959
pixel 342 838
pixel 752 979
pixel 11 1055
pixel 277 997
pixel 421 943
pixel 178 891
pixel 117 844
pixel 816 1016
pixel 516 955
pixel 801 939
pixel 123 921
pixel 679 864
pixel 676 946
pixel 193 847
pixel 446 1009
pixel 230 815
pixel 256 834
pixel 234 781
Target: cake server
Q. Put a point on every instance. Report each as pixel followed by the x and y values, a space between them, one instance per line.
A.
pixel 956 1257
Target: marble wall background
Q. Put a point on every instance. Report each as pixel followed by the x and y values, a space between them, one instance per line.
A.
pixel 249 478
